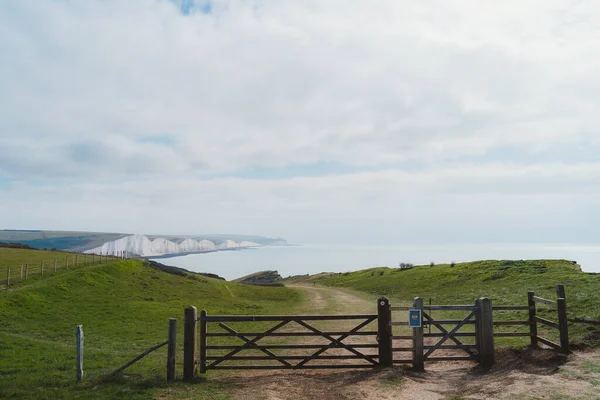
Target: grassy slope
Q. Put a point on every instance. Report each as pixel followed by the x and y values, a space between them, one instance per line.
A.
pixel 124 307
pixel 505 282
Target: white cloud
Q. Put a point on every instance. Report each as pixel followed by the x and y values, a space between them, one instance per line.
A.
pixel 487 104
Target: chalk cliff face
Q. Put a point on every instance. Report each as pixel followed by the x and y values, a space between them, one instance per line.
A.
pixel 142 246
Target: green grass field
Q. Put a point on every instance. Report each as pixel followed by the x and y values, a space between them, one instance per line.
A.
pixel 504 282
pixel 124 308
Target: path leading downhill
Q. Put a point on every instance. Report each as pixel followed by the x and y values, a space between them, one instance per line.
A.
pixel 518 374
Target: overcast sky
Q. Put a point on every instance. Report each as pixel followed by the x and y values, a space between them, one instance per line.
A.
pixel 318 121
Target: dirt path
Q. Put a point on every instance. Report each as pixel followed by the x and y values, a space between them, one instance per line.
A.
pixel 517 374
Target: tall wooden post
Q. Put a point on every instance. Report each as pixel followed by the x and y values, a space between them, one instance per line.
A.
pixel 203 342
pixel 171 350
pixel 8 277
pixel 55 265
pixel 532 320
pixel 486 348
pixel 190 342
pixel 79 342
pixel 418 349
pixel 26 271
pixel 384 332
pixel 42 268
pixel 478 339
pixel 563 325
pixel 21 272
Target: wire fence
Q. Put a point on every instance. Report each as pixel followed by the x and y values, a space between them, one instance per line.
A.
pixel 47 265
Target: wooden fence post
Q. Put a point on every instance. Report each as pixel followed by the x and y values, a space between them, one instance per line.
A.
pixel 26 271
pixel 21 272
pixel 384 334
pixel 67 258
pixel 418 350
pixel 487 351
pixel 563 325
pixel 55 265
pixel 100 257
pixel 42 268
pixel 190 342
pixel 478 339
pixel 79 341
pixel 8 278
pixel 532 320
pixel 85 258
pixel 77 260
pixel 203 341
pixel 560 292
pixel 171 350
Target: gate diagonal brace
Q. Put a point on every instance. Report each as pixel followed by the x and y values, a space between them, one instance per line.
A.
pixel 444 331
pixel 248 344
pixel 336 342
pixel 450 334
pixel 254 345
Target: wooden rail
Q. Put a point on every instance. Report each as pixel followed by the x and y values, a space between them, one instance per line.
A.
pixel 533 321
pixel 547 302
pixel 252 342
pixel 171 346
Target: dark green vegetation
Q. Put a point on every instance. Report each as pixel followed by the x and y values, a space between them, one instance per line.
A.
pixel 504 282
pixel 124 307
pixel 263 278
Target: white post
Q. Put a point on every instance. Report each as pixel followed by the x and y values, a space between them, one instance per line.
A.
pixel 79 341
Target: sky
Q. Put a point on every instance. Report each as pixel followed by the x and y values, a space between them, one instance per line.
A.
pixel 320 121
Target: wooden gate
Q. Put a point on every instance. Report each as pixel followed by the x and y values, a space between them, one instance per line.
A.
pixel 446 335
pixel 436 341
pixel 466 332
pixel 265 354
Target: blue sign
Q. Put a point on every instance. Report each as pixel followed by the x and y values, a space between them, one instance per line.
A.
pixel 414 318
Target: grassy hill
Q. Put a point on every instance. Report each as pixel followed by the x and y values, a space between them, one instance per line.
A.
pixel 124 307
pixel 505 282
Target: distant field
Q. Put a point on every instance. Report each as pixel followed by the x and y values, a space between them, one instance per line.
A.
pixel 61 240
pixel 124 307
pixel 505 282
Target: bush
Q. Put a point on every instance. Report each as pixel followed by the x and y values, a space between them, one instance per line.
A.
pixel 452 264
pixel 432 264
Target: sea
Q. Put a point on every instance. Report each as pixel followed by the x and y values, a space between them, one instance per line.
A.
pixel 312 259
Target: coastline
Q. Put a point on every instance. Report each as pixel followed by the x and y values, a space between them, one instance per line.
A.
pixel 187 253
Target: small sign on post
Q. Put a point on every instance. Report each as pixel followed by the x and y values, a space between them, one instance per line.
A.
pixel 414 318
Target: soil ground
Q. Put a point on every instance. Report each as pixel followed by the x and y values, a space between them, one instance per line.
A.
pixel 518 373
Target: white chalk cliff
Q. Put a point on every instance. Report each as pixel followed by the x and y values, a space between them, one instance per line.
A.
pixel 142 246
